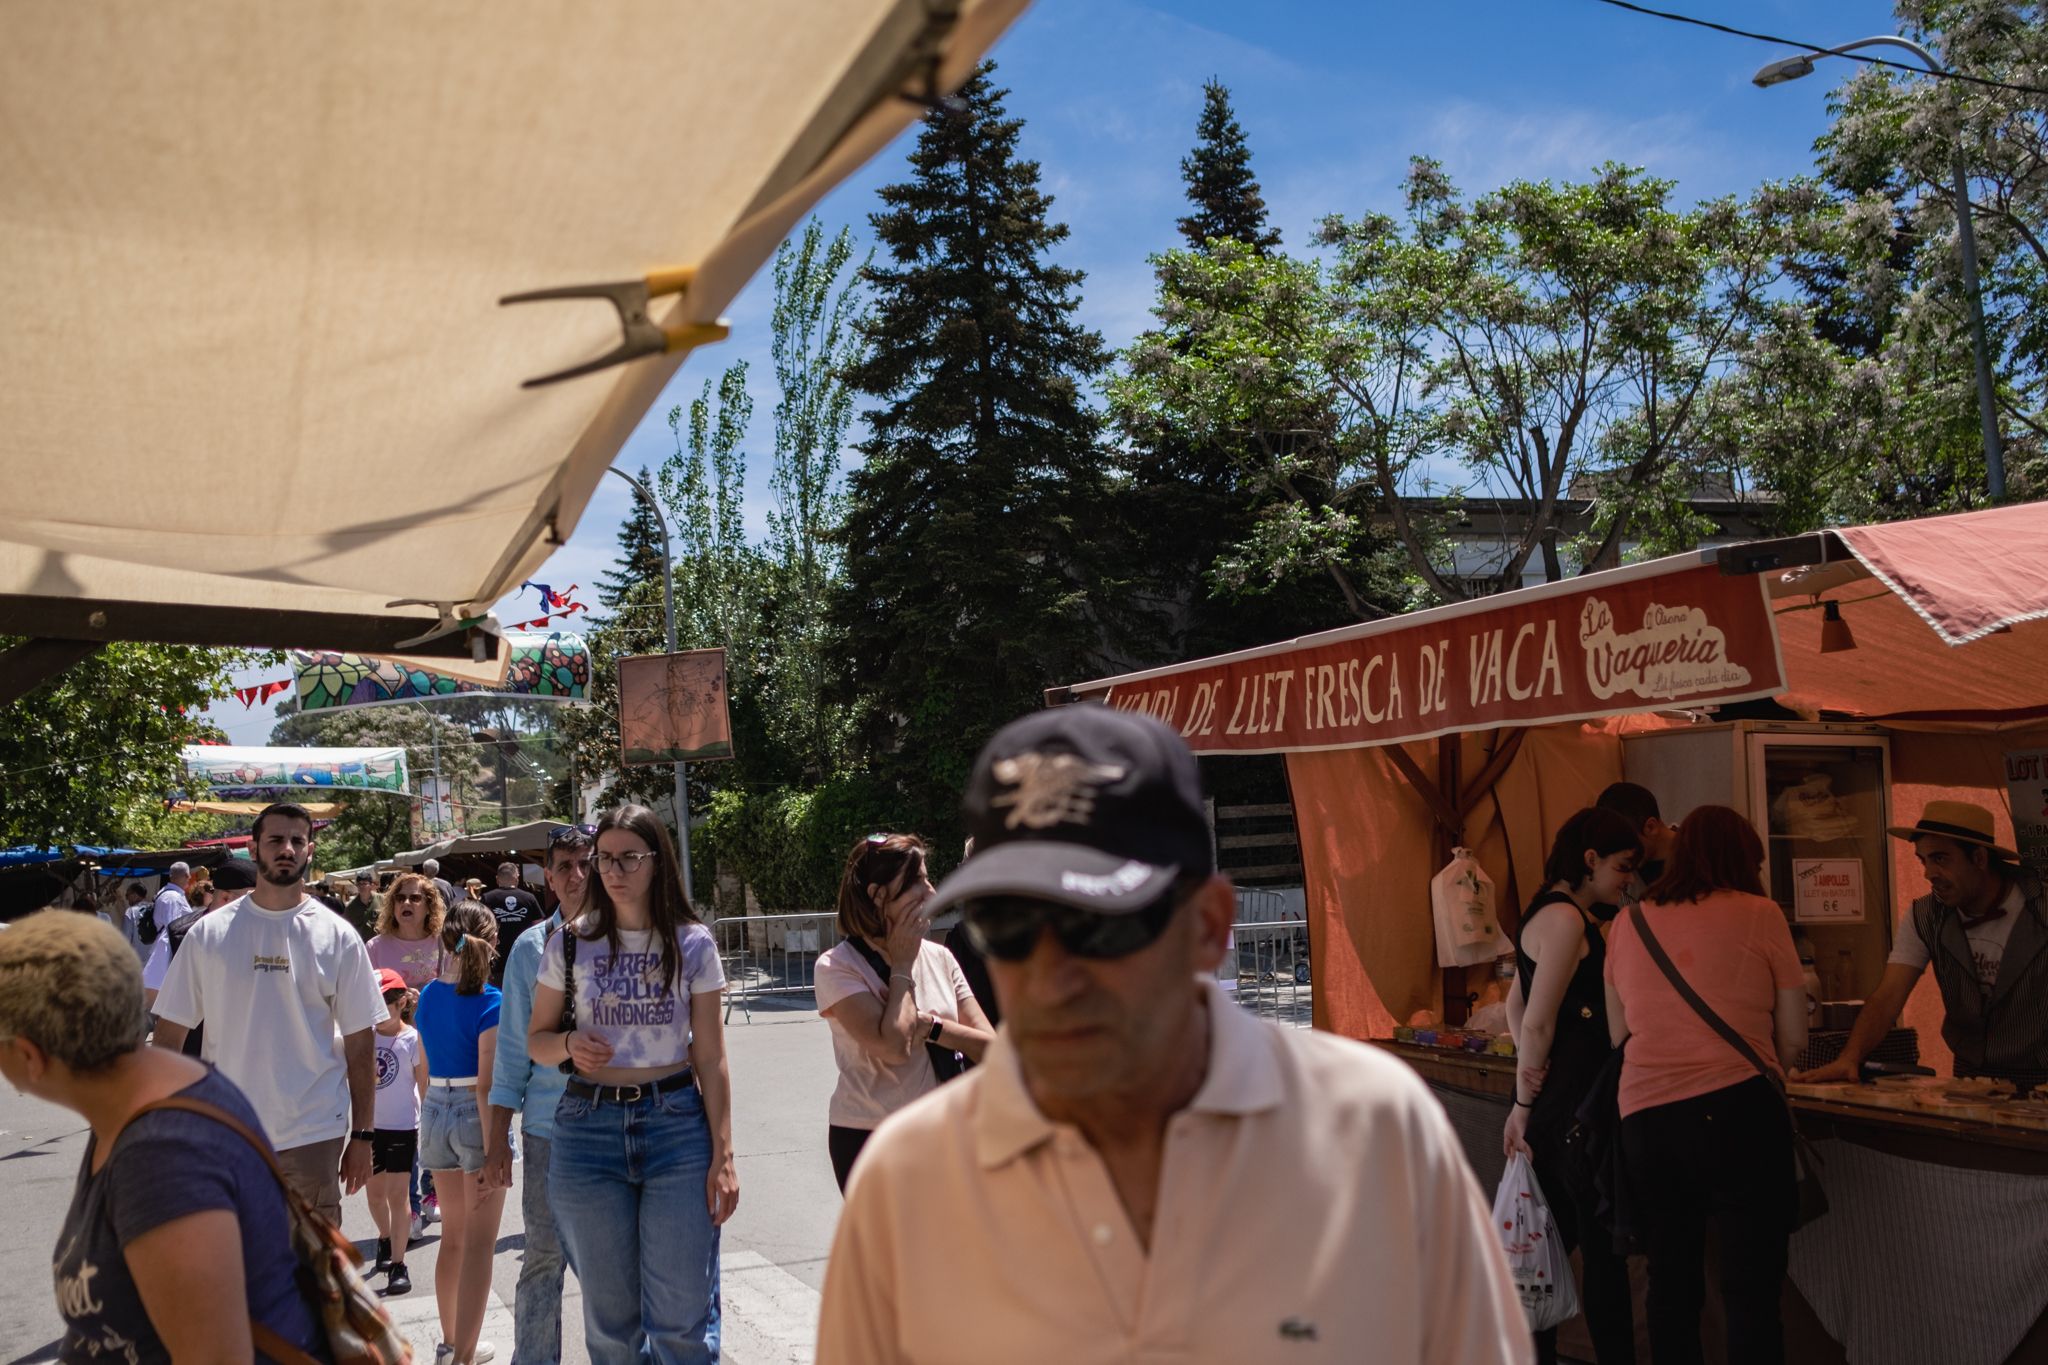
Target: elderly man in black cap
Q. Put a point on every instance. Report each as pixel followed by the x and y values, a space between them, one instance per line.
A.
pixel 1983 930
pixel 1140 1169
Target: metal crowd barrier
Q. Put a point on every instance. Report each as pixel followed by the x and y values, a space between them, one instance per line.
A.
pixel 767 957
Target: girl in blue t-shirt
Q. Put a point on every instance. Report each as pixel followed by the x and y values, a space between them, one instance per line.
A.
pixel 641 1173
pixel 458 1023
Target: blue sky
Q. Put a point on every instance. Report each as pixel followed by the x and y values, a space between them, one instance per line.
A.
pixel 1334 99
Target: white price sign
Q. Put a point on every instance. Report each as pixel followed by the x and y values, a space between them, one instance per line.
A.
pixel 1827 890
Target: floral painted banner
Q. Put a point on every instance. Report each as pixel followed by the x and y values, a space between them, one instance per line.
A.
pixel 554 666
pixel 233 772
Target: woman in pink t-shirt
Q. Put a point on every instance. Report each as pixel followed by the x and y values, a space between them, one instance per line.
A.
pixel 408 938
pixel 888 992
pixel 1703 1134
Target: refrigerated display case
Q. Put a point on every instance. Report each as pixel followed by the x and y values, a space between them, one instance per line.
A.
pixel 1820 795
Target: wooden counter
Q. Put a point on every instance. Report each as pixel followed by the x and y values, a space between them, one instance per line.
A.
pixel 1920 1134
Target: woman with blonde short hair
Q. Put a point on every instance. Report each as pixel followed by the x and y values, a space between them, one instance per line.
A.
pixel 176 1244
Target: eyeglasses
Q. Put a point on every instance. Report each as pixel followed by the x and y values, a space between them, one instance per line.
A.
pixel 407 897
pixel 1008 929
pixel 628 863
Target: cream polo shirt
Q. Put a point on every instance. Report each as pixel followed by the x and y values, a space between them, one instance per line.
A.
pixel 1314 1206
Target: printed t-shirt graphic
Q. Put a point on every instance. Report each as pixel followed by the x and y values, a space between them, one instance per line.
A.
pixel 398 1091
pixel 624 1000
pixel 277 990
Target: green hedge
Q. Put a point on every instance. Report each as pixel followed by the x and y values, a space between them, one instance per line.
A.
pixel 790 844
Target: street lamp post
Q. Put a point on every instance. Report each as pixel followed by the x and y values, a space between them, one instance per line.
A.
pixel 668 623
pixel 1791 69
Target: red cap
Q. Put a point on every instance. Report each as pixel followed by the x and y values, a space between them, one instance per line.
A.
pixel 389 981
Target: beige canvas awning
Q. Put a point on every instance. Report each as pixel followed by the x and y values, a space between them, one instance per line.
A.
pixel 259 387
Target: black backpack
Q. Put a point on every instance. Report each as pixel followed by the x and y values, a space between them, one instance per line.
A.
pixel 146 928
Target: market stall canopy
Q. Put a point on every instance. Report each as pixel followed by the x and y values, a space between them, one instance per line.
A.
pixel 1944 616
pixel 260 389
pixel 530 838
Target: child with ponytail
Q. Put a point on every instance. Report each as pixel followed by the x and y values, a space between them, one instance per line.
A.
pixel 458 1022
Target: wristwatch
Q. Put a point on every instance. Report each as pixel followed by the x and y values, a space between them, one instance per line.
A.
pixel 363 1135
pixel 937 1024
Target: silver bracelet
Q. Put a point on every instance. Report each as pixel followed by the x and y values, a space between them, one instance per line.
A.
pixel 901 976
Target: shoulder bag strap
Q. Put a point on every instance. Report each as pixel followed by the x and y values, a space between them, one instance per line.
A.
pixel 568 979
pixel 1692 998
pixel 261 1336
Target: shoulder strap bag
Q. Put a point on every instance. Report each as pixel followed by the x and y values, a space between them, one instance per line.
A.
pixel 346 1310
pixel 1813 1200
pixel 946 1063
pixel 568 931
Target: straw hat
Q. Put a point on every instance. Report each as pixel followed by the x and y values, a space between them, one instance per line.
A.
pixel 1962 821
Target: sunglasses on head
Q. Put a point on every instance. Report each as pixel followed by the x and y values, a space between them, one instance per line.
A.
pixel 571 831
pixel 1008 928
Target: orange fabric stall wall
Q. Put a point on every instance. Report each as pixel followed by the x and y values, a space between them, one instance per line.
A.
pixel 1944 767
pixel 1368 855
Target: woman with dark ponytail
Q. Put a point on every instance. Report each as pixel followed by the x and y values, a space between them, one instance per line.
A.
pixel 458 1024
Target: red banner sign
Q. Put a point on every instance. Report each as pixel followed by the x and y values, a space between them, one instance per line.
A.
pixel 1621 642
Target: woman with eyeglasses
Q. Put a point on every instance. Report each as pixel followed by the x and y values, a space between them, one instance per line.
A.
pixel 641 1175
pixel 892 996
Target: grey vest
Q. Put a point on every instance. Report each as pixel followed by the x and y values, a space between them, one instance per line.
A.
pixel 2003 1031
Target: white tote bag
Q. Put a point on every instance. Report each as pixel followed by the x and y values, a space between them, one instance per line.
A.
pixel 1461 897
pixel 1536 1254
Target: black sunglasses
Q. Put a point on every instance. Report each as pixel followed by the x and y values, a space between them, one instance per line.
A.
pixel 1007 929
pixel 571 831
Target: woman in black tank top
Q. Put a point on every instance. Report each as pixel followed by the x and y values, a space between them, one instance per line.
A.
pixel 1557 1012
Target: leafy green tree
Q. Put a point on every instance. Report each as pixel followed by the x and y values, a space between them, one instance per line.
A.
pixel 817 338
pixel 1889 157
pixel 1236 382
pixel 1220 184
pixel 639 552
pixel 976 530
pixel 92 756
pixel 372 825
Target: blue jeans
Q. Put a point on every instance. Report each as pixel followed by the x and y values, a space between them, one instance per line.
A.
pixel 627 1185
pixel 537 1303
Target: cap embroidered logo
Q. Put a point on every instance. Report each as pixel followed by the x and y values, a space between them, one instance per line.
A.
pixel 1051 789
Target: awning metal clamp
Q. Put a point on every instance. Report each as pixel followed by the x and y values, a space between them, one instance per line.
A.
pixel 643 336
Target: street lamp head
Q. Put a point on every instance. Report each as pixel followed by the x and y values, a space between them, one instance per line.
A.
pixel 1785 69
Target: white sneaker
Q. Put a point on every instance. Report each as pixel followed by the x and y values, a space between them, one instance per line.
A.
pixel 419 1227
pixel 484 1351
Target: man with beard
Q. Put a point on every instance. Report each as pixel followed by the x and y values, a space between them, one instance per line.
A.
pixel 275 976
pixel 1139 1168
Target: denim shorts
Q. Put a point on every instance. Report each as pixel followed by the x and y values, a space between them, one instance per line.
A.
pixel 451 1131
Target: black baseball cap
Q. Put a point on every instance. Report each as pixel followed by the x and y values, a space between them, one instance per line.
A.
pixel 1084 806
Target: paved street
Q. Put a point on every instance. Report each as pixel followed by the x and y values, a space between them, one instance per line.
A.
pixel 774 1248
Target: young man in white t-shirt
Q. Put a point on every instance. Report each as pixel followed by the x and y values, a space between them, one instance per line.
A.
pixel 286 990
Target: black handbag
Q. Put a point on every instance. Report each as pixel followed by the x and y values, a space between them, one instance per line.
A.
pixel 1807 1163
pixel 946 1063
pixel 1594 1141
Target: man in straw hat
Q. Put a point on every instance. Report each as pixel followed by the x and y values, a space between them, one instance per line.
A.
pixel 1985 933
pixel 1140 1169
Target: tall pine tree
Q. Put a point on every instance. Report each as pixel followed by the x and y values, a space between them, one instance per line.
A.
pixel 639 558
pixel 1218 173
pixel 975 525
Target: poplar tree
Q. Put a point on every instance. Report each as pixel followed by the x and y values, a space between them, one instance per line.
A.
pixel 1218 172
pixel 975 523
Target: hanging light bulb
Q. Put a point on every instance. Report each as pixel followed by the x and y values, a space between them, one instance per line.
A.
pixel 1835 635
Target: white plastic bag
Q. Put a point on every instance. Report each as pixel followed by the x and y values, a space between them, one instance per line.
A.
pixel 1461 897
pixel 1536 1254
